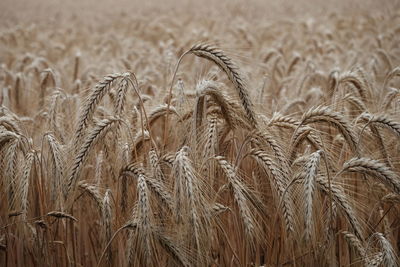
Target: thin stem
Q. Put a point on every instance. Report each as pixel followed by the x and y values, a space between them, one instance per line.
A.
pixel 165 138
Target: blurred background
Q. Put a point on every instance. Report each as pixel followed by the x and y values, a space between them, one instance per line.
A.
pixel 25 11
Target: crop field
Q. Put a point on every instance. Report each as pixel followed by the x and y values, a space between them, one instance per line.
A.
pixel 199 133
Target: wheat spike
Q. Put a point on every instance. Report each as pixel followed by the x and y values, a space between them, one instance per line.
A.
pixel 375 169
pixel 91 102
pixel 225 63
pixel 97 133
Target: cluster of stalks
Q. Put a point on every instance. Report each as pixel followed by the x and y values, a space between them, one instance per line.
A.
pixel 294 163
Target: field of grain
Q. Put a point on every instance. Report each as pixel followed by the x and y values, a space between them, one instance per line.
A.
pixel 199 133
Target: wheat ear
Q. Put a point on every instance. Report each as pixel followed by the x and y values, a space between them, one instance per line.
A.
pixel 339 197
pixel 155 185
pixel 355 243
pixel 280 185
pixel 97 133
pixel 327 115
pixel 107 223
pixel 24 183
pixel 91 102
pixel 382 120
pixel 225 63
pixel 375 169
pixel 238 189
pixel 311 171
pixel 186 192
pixel 389 257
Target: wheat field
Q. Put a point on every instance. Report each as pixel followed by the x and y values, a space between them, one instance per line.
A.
pixel 213 133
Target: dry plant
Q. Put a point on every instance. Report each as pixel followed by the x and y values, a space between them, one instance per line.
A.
pixel 194 151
